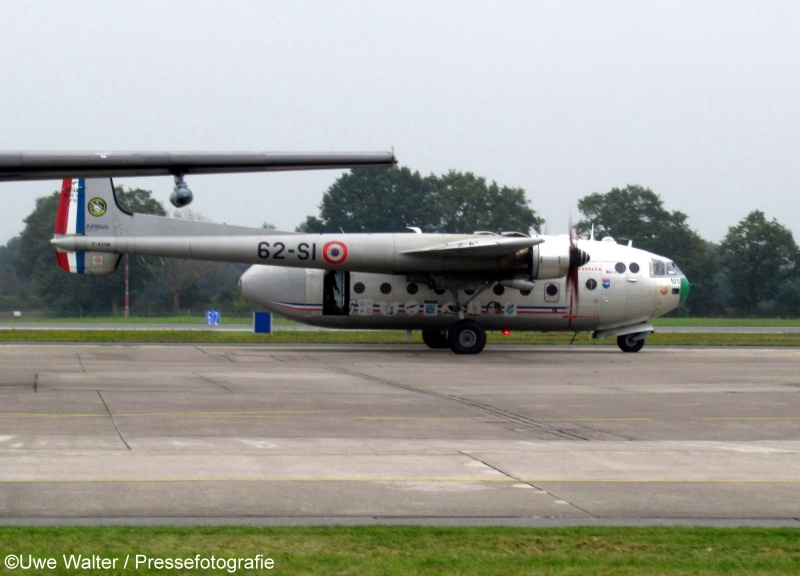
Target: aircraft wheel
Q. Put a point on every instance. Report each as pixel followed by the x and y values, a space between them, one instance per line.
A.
pixel 436 339
pixel 467 337
pixel 628 343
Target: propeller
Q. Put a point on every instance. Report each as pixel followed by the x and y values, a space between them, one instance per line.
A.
pixel 577 258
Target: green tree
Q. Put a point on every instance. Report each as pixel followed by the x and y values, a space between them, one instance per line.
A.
pixel 637 213
pixel 374 200
pixel 13 295
pixel 380 200
pixel 465 203
pixel 138 201
pixel 760 259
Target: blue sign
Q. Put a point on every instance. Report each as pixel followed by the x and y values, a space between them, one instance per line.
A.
pixel 262 322
pixel 212 317
pixel 606 283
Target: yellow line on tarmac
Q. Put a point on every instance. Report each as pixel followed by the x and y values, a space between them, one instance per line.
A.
pixel 754 418
pixel 593 419
pixel 422 479
pixel 46 415
pixel 665 480
pixel 301 479
pixel 278 414
pixel 406 418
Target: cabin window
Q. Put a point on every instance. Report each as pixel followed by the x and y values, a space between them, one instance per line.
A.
pixel 386 288
pixel 634 268
pixel 551 292
pixel 620 268
pixel 499 289
pixel 358 288
pixel 591 284
pixel 412 288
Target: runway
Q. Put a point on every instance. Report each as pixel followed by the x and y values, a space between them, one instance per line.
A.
pixel 534 435
pixel 280 326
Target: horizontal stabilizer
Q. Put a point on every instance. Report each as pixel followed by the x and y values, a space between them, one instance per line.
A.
pixel 55 165
pixel 478 247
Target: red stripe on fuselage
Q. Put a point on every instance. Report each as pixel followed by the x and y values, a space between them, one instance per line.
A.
pixel 63 213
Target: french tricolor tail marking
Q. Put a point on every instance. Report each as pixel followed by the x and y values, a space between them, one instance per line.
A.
pixel 71 219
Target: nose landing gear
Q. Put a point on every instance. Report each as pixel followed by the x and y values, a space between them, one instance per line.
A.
pixel 630 342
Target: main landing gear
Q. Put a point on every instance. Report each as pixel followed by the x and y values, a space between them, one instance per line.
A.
pixel 630 342
pixel 463 337
pixel 436 339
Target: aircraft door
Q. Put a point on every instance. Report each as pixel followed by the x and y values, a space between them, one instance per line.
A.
pixel 336 293
pixel 639 301
pixel 587 311
pixel 613 291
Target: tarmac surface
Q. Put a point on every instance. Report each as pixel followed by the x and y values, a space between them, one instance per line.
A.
pixel 298 326
pixel 293 434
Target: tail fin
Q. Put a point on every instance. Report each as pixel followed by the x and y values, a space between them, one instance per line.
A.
pixel 87 207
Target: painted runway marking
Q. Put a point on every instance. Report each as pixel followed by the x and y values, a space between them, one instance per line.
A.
pixel 754 418
pixel 594 419
pixel 506 480
pixel 279 414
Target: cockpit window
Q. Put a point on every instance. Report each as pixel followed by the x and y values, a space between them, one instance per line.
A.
pixel 672 269
pixel 658 268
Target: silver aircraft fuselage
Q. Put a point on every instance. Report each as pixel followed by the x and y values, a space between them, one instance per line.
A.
pixel 620 286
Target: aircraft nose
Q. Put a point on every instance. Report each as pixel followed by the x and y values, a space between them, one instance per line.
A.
pixel 684 288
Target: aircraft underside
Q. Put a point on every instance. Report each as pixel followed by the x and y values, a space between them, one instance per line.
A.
pixel 339 299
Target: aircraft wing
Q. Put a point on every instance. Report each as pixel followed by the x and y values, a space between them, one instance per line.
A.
pixel 16 166
pixel 483 247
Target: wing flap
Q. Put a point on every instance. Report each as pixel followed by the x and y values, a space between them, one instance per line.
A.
pixel 479 247
pixel 15 166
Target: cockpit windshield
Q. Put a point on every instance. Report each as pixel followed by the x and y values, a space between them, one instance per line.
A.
pixel 662 268
pixel 658 268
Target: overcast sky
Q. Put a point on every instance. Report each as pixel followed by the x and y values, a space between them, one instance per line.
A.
pixel 699 101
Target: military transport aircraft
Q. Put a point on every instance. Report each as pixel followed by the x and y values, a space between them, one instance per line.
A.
pixel 453 287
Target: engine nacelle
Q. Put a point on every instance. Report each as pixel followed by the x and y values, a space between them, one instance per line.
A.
pixel 550 260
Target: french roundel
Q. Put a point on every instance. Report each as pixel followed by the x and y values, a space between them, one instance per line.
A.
pixel 334 252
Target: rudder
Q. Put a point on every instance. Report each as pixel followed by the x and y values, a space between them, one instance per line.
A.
pixel 87 207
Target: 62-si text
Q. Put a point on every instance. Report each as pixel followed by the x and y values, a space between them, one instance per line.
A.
pixel 277 251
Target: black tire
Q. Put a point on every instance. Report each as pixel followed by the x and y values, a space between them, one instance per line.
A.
pixel 627 343
pixel 436 339
pixel 467 337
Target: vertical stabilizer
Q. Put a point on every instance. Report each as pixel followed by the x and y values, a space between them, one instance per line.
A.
pixel 87 207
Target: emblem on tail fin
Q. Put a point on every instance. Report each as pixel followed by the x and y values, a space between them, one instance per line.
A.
pixel 97 207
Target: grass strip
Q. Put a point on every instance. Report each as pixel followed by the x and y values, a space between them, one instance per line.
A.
pixel 376 337
pixel 119 320
pixel 390 550
pixel 729 322
pixel 248 320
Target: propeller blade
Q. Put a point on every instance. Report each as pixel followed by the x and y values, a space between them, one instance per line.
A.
pixel 577 258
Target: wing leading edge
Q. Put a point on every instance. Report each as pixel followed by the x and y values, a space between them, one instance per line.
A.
pixel 482 247
pixel 16 166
